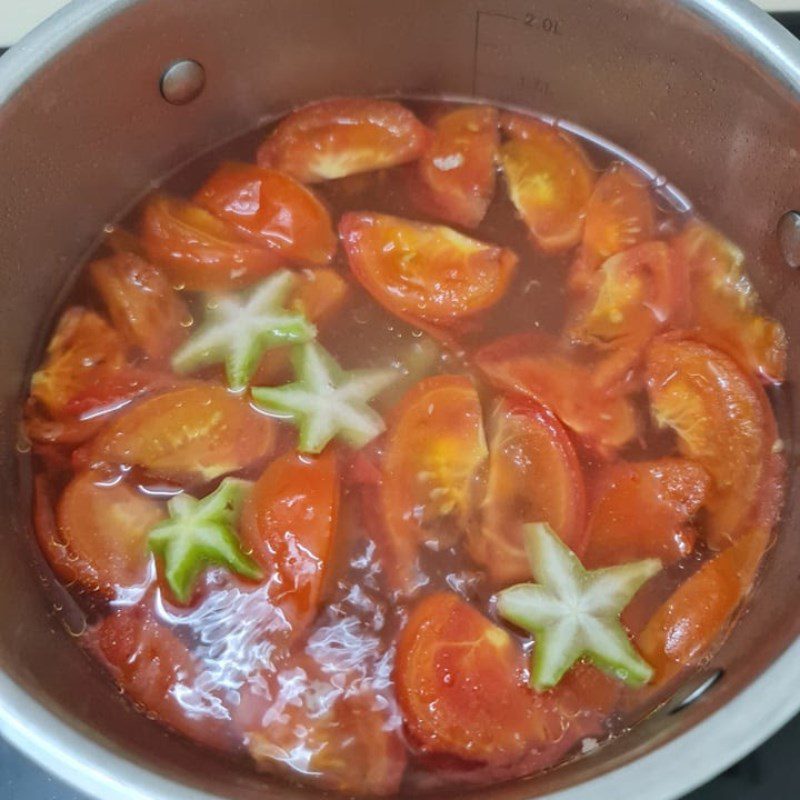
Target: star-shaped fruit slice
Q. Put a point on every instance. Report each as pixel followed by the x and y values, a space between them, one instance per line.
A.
pixel 327 402
pixel 239 328
pixel 202 532
pixel 574 612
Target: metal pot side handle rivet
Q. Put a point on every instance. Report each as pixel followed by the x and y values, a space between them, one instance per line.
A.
pixel 692 691
pixel 789 238
pixel 182 82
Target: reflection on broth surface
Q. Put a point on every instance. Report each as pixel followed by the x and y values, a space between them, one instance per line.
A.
pixel 327 395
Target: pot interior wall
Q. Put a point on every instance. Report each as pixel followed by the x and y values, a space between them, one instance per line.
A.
pixel 89 131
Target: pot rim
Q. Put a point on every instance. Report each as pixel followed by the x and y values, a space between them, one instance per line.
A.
pixel 667 772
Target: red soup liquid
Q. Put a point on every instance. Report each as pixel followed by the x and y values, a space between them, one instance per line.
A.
pixel 301 413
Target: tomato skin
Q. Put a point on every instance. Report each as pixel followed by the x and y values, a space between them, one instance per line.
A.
pixel 344 136
pixel 435 449
pixel 200 252
pixel 157 671
pixel 684 628
pixel 469 702
pixel 145 309
pixel 534 474
pixel 644 510
pixel 426 273
pixel 533 366
pixel 83 346
pixel 272 208
pixel 195 433
pixel 723 421
pixel 104 528
pixel 549 178
pixel 289 523
pixel 619 215
pixel 725 304
pixel 454 180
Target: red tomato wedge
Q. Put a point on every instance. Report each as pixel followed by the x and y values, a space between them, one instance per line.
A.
pixel 431 469
pixel 145 309
pixel 549 178
pixel 644 510
pixel 320 294
pixel 156 670
pixel 633 295
pixel 195 433
pixel 104 530
pixel 620 215
pixel 532 365
pixel 200 252
pixel 273 208
pixel 341 137
pixel 425 272
pixel 454 180
pixel 725 304
pixel 83 346
pixel 702 607
pixel 461 685
pixel 288 525
pixel 724 422
pixel 534 474
pixel 343 739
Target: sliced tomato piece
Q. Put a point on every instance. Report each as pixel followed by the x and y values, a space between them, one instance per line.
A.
pixel 195 433
pixel 431 469
pixel 620 214
pixel 340 137
pixel 103 527
pixel 726 306
pixel 320 294
pixel 339 735
pixel 83 346
pixel 460 682
pixel 644 510
pixel 634 294
pixel 549 178
pixel 533 365
pixel 145 309
pixel 288 525
pixel 425 272
pixel 200 252
pixel 534 474
pixel 157 672
pixel 692 620
pixel 455 178
pixel 273 208
pixel 723 421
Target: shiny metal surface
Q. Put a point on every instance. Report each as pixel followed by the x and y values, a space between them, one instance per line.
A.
pixel 705 91
pixel 182 82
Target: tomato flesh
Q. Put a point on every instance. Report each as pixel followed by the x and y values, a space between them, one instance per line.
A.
pixel 534 475
pixel 697 613
pixel 431 469
pixel 195 433
pixel 532 365
pixel 455 178
pixel 425 272
pixel 200 252
pixel 145 309
pixel 273 208
pixel 549 178
pixel 288 525
pixel 725 304
pixel 341 137
pixel 644 510
pixel 723 421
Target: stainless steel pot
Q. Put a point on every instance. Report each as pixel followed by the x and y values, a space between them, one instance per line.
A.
pixel 706 91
